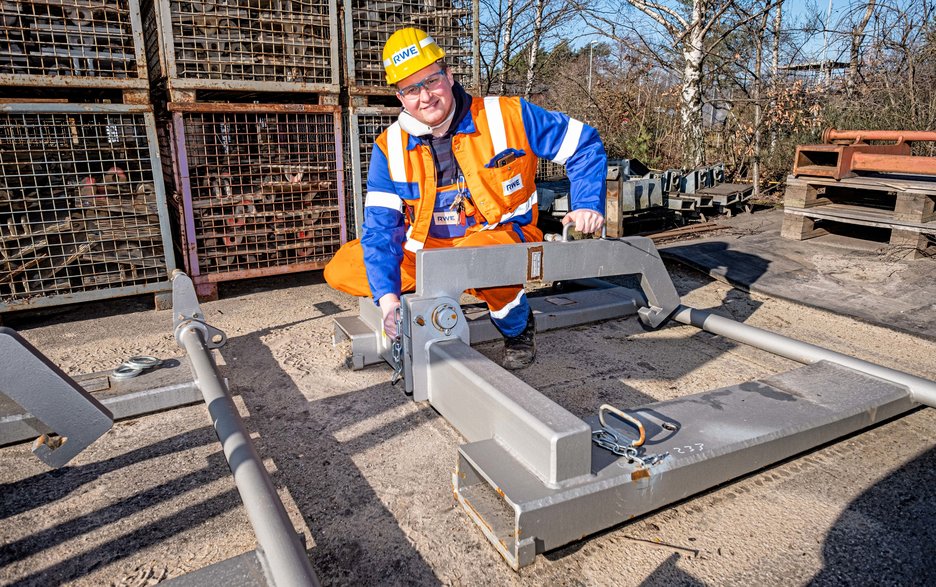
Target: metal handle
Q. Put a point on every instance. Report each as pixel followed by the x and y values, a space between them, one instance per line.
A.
pixel 627 418
pixel 567 228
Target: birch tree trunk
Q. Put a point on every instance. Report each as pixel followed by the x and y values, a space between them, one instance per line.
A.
pixel 691 111
pixel 538 7
pixel 505 51
pixel 775 65
pixel 758 107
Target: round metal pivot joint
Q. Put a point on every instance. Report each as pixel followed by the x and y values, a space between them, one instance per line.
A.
pixel 444 318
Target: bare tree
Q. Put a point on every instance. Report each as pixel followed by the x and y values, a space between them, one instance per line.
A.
pixel 689 26
pixel 513 36
pixel 857 37
pixel 506 46
pixel 775 62
pixel 539 7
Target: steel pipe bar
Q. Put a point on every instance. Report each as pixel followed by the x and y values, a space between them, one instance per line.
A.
pixel 279 545
pixel 831 134
pixel 921 390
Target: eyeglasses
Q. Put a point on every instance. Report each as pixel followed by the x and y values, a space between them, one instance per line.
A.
pixel 433 82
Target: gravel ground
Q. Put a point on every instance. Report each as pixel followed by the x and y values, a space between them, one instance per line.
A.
pixel 365 473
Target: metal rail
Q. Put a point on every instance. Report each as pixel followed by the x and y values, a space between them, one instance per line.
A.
pixel 921 390
pixel 279 549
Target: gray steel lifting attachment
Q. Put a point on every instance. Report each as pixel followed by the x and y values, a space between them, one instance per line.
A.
pixel 535 477
pixel 57 403
pixel 280 553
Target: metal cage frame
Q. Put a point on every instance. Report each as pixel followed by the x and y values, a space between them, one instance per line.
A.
pixel 184 196
pixel 160 287
pixel 139 81
pixel 163 62
pixel 470 76
pixel 359 148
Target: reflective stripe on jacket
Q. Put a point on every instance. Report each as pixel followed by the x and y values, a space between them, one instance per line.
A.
pixel 401 182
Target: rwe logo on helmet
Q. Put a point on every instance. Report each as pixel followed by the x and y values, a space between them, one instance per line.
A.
pixel 404 54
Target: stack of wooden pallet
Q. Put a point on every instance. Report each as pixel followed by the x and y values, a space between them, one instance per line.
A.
pixel 814 206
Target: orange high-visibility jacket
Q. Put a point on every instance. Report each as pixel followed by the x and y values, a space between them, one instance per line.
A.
pixel 496 146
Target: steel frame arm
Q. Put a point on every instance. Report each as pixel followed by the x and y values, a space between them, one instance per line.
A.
pixel 449 272
pixel 48 394
pixel 282 555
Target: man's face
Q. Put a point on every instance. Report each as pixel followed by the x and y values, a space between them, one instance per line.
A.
pixel 432 102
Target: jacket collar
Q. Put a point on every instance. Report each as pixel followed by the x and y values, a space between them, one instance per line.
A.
pixel 462 121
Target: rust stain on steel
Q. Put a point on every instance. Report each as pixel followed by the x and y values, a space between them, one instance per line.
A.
pixel 894 163
pixel 72 81
pixel 640 474
pixel 837 161
pixel 265 271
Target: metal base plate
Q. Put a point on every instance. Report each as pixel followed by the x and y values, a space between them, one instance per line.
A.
pixel 709 438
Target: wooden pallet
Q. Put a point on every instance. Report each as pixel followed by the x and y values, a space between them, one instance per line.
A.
pixel 905 206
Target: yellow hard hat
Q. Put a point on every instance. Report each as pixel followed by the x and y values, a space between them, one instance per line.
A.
pixel 407 51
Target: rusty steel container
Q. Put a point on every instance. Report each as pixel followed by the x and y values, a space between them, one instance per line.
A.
pixel 367 25
pixel 83 212
pixel 258 189
pixel 73 43
pixel 281 46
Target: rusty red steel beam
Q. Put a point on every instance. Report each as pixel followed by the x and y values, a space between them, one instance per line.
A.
pixel 893 163
pixel 830 135
pixel 835 161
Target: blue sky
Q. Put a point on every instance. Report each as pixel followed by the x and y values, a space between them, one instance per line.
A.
pixel 794 12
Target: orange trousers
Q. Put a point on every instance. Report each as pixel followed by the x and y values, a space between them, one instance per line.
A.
pixel 345 272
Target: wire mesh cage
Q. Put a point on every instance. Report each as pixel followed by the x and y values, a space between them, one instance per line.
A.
pixel 86 43
pixel 269 45
pixel 364 125
pixel 261 188
pixel 82 215
pixel 548 170
pixel 368 25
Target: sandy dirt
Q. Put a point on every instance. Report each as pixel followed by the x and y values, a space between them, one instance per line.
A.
pixel 365 473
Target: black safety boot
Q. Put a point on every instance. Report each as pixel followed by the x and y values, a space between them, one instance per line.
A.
pixel 520 350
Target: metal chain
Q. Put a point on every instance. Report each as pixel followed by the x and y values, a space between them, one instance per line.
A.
pixel 610 439
pixel 397 348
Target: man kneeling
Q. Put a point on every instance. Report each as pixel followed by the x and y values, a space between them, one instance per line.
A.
pixel 458 171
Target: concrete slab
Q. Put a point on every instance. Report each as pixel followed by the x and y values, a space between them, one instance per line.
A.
pixel 859 278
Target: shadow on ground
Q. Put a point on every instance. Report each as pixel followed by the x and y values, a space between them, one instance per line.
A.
pixel 886 536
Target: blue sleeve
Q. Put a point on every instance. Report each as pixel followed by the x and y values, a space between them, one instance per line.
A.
pixel 383 230
pixel 556 137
